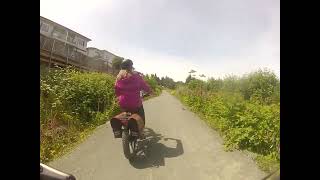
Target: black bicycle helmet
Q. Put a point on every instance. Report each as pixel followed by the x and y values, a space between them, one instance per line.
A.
pixel 127 64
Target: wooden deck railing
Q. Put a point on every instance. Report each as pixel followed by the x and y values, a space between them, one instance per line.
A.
pixel 53 51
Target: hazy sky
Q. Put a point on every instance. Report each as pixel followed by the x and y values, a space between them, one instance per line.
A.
pixel 171 37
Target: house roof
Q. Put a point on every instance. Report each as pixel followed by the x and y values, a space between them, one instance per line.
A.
pixel 65 28
pixel 92 48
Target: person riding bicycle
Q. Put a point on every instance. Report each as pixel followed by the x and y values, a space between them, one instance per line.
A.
pixel 128 86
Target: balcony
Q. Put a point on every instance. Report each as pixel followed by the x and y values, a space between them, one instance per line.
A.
pixel 56 52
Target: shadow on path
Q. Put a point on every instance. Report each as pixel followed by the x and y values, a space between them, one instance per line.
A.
pixel 153 153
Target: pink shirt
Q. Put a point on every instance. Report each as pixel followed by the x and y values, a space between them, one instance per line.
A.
pixel 128 91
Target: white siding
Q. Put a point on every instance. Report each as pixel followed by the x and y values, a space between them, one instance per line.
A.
pixel 49 29
pixel 105 55
pixel 108 56
pixel 80 43
pixel 46 28
pixel 91 52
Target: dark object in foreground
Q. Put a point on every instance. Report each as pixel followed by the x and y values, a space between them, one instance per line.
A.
pixel 49 173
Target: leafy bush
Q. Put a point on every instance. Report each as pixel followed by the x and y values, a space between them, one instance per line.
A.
pixel 245 110
pixel 214 84
pixel 167 82
pixel 71 103
pixel 231 84
pixel 261 85
pixel 116 62
pixel 152 82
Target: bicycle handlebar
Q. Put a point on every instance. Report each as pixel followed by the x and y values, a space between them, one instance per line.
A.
pixel 49 173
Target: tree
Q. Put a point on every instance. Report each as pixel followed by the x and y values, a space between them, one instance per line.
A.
pixel 179 83
pixel 214 84
pixel 231 83
pixel 168 82
pixel 150 79
pixel 263 84
pixel 189 78
pixel 157 78
pixel 162 81
pixel 116 63
pixel 192 71
pixel 196 84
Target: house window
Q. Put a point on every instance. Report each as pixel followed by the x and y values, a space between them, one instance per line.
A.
pixel 71 38
pixel 44 27
pixel 59 33
pixel 81 43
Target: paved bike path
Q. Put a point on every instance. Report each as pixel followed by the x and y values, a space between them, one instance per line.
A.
pixel 179 146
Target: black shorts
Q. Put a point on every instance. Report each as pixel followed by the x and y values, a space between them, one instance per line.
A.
pixel 139 111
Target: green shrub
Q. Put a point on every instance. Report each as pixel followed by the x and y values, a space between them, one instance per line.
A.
pixel 152 82
pixel 71 103
pixel 261 85
pixel 214 85
pixel 245 110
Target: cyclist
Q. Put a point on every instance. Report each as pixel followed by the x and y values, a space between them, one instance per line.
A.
pixel 128 86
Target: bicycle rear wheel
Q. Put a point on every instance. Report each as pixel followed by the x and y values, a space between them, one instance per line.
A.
pixel 128 150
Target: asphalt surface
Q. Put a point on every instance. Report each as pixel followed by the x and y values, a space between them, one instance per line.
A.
pixel 178 146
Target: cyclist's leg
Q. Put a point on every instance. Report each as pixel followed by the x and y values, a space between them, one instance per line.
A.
pixel 133 124
pixel 142 114
pixel 116 127
pixel 134 129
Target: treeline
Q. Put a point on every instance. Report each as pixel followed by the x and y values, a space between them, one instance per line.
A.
pixel 165 82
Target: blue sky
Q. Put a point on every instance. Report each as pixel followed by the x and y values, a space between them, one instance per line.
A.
pixel 170 37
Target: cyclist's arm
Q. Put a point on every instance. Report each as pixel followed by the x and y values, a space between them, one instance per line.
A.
pixel 145 87
pixel 117 89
